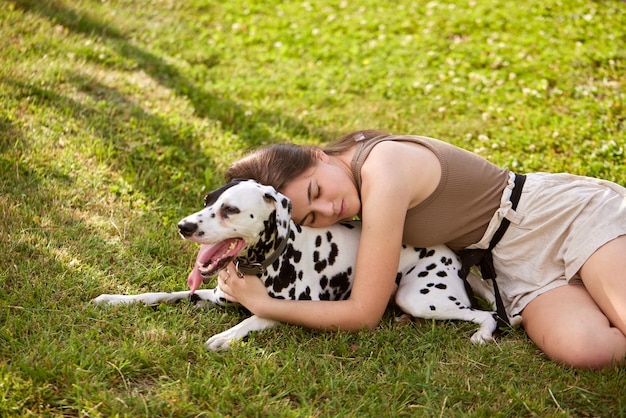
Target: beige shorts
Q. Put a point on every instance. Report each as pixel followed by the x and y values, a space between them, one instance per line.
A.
pixel 560 221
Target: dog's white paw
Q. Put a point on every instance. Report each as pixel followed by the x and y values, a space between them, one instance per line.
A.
pixel 482 336
pixel 516 321
pixel 221 341
pixel 488 326
pixel 106 299
pixel 485 333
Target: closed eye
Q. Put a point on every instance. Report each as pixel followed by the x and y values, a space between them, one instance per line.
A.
pixel 309 219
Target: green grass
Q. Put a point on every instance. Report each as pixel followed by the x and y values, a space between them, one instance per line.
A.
pixel 117 116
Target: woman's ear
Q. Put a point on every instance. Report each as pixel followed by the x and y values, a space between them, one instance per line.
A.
pixel 321 156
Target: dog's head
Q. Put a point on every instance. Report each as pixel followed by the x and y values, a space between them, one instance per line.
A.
pixel 236 217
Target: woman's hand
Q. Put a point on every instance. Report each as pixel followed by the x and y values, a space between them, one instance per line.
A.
pixel 247 290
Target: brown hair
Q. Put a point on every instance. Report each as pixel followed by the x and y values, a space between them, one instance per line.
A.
pixel 277 164
pixel 273 165
pixel 349 140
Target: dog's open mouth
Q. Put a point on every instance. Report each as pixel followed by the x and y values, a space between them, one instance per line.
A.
pixel 211 259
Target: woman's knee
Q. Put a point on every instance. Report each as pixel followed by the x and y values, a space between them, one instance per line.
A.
pixel 570 329
pixel 588 349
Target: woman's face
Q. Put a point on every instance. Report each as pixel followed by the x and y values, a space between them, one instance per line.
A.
pixel 323 195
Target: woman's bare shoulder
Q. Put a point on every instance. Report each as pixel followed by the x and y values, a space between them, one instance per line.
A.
pixel 400 150
pixel 403 168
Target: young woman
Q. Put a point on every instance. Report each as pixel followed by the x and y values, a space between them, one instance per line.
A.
pixel 561 262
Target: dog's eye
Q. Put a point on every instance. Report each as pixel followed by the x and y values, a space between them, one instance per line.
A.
pixel 226 210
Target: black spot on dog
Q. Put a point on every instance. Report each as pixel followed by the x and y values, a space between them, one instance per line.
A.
pixel 334 251
pixel 286 277
pixel 318 241
pixel 422 274
pixel 194 298
pixel 432 308
pixel 292 254
pixel 340 284
pixel 306 295
pixel 320 265
pixel 424 291
pixel 324 282
pixel 442 274
pixel 441 286
pixel 425 252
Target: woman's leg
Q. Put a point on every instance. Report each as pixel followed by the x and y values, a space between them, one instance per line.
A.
pixel 569 327
pixel 604 276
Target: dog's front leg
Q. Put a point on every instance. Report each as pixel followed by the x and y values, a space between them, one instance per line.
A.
pixel 145 298
pixel 223 340
pixel 200 298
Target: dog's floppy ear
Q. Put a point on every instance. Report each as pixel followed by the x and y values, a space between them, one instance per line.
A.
pixel 210 198
pixel 270 194
pixel 269 197
pixel 279 200
pixel 276 198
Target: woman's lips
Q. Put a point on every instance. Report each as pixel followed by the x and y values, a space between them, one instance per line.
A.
pixel 342 209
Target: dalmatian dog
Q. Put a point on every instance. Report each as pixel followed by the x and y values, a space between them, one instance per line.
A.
pixel 250 224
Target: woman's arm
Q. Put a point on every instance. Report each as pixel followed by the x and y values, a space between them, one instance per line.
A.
pixel 376 268
pixel 391 185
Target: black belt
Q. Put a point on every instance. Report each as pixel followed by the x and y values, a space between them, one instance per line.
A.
pixel 484 258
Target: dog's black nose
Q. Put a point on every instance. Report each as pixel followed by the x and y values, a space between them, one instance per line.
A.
pixel 187 228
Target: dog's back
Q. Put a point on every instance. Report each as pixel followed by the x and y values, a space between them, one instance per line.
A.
pixel 316 264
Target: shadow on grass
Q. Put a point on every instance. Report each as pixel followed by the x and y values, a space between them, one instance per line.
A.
pixel 52 233
pixel 228 112
pixel 118 133
pixel 116 138
pixel 36 223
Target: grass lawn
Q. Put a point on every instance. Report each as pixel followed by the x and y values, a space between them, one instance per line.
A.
pixel 117 116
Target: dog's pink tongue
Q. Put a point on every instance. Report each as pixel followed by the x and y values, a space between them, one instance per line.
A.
pixel 195 278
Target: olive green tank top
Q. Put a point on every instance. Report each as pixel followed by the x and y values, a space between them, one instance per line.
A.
pixel 458 212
